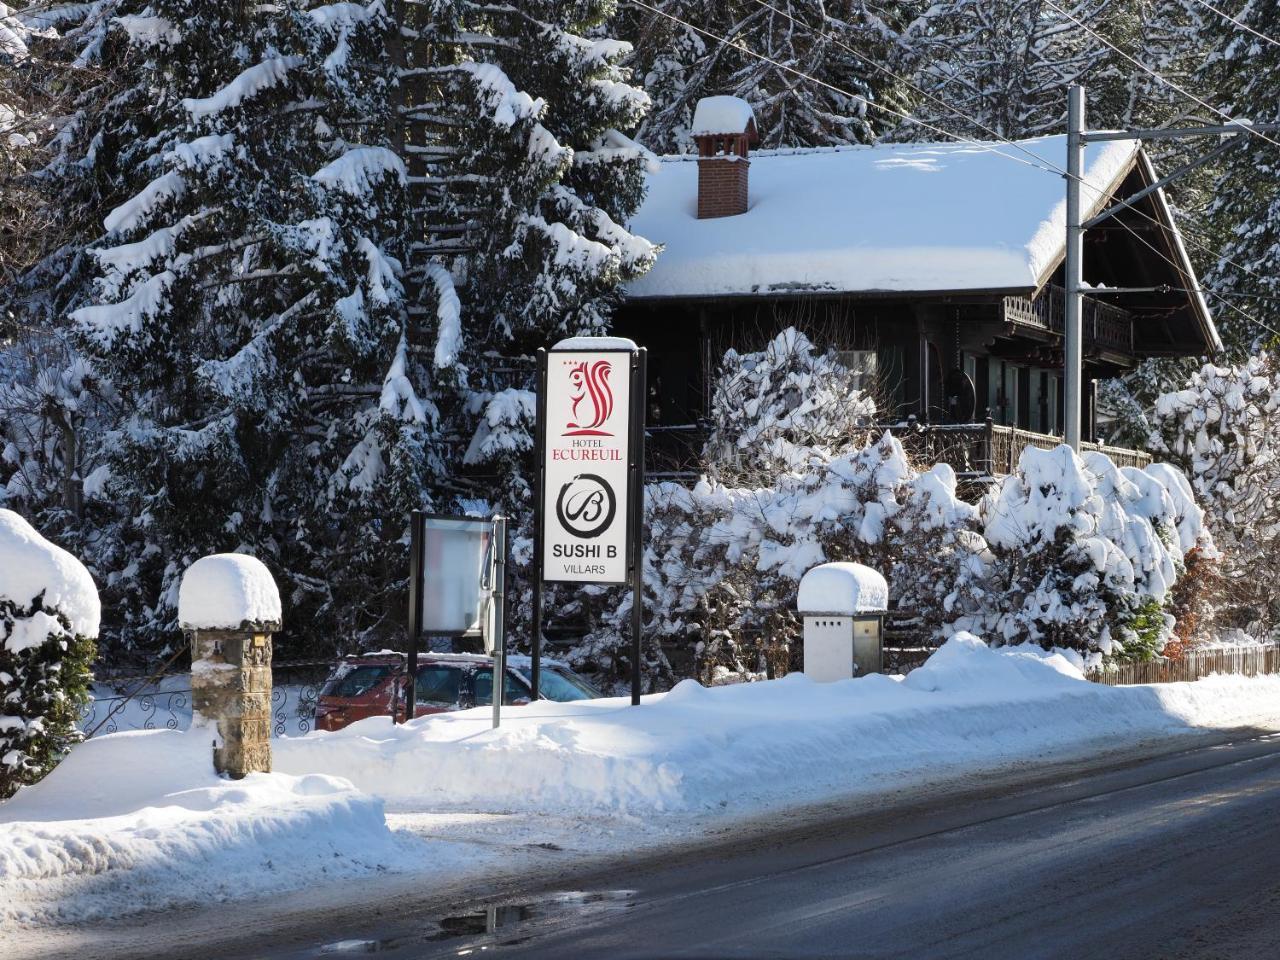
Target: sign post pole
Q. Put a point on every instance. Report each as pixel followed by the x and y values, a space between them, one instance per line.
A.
pixel 639 381
pixel 498 594
pixel 416 524
pixel 539 482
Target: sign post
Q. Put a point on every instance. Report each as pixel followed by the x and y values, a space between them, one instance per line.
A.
pixel 497 640
pixel 448 584
pixel 590 478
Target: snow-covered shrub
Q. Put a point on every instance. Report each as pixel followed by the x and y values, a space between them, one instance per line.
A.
pixel 48 621
pixel 1084 555
pixel 775 410
pixel 1223 429
pixel 938 561
pixel 724 563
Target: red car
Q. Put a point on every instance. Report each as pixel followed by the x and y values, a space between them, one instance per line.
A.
pixel 372 685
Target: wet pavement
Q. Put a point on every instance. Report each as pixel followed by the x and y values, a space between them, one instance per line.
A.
pixel 1177 858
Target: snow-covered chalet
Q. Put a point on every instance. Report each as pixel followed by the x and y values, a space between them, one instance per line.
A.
pixel 937 267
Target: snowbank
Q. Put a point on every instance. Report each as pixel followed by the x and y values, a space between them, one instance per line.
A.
pixel 139 820
pixel 30 565
pixel 225 590
pixel 752 747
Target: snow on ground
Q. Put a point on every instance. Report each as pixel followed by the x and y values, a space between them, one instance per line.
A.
pixel 138 820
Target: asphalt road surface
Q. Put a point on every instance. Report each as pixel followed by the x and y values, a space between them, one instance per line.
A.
pixel 1177 857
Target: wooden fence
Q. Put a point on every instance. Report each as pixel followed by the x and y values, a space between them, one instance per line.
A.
pixel 1248 661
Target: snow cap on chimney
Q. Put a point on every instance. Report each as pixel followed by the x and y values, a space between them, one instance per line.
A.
pixel 723 128
pixel 723 116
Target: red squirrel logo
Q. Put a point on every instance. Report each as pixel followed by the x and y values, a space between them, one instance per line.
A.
pixel 591 399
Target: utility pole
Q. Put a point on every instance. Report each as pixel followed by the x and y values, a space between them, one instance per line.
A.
pixel 1074 266
pixel 1073 269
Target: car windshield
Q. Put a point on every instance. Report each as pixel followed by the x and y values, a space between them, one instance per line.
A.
pixel 482 688
pixel 438 686
pixel 564 686
pixel 356 681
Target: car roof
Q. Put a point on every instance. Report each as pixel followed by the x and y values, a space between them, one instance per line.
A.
pixel 382 657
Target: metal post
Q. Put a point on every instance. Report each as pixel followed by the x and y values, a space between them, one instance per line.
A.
pixel 639 394
pixel 416 523
pixel 1074 266
pixel 540 434
pixel 498 598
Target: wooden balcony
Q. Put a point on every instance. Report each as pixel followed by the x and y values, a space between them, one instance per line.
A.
pixel 1107 328
pixel 975 451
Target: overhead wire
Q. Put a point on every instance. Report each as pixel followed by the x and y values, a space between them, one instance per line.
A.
pixel 1244 126
pixel 1241 25
pixel 741 48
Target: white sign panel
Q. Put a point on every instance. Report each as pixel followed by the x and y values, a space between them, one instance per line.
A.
pixel 454 553
pixel 585 457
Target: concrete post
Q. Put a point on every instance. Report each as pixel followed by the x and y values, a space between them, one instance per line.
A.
pixel 229 605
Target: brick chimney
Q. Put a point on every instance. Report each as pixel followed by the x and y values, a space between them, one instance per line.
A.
pixel 724 128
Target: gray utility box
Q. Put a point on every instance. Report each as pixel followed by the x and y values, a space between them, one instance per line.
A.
pixel 843 605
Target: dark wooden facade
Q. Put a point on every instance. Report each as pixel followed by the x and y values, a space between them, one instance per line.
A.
pixel 1007 343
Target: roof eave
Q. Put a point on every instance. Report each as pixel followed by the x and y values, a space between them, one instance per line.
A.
pixel 984 293
pixel 1199 305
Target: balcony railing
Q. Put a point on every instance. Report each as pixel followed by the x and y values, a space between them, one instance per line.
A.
pixel 973 450
pixel 1106 327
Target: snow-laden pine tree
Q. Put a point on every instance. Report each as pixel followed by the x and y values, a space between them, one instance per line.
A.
pixel 521 178
pixel 249 309
pixel 1003 66
pixel 57 71
pixel 1200 50
pixel 1243 71
pixel 836 43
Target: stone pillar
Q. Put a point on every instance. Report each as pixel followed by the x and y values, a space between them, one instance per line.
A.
pixel 229 605
pixel 231 693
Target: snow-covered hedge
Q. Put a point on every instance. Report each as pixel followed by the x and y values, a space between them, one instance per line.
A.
pixel 49 617
pixel 1084 555
pixel 1067 552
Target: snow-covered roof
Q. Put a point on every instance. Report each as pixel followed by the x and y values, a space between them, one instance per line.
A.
pixel 226 591
pixel 843 589
pixel 907 217
pixel 715 115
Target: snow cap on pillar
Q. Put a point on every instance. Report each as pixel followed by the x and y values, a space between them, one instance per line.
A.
pixel 843 589
pixel 229 591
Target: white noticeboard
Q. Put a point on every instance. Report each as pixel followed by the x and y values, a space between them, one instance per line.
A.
pixel 454 553
pixel 586 458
